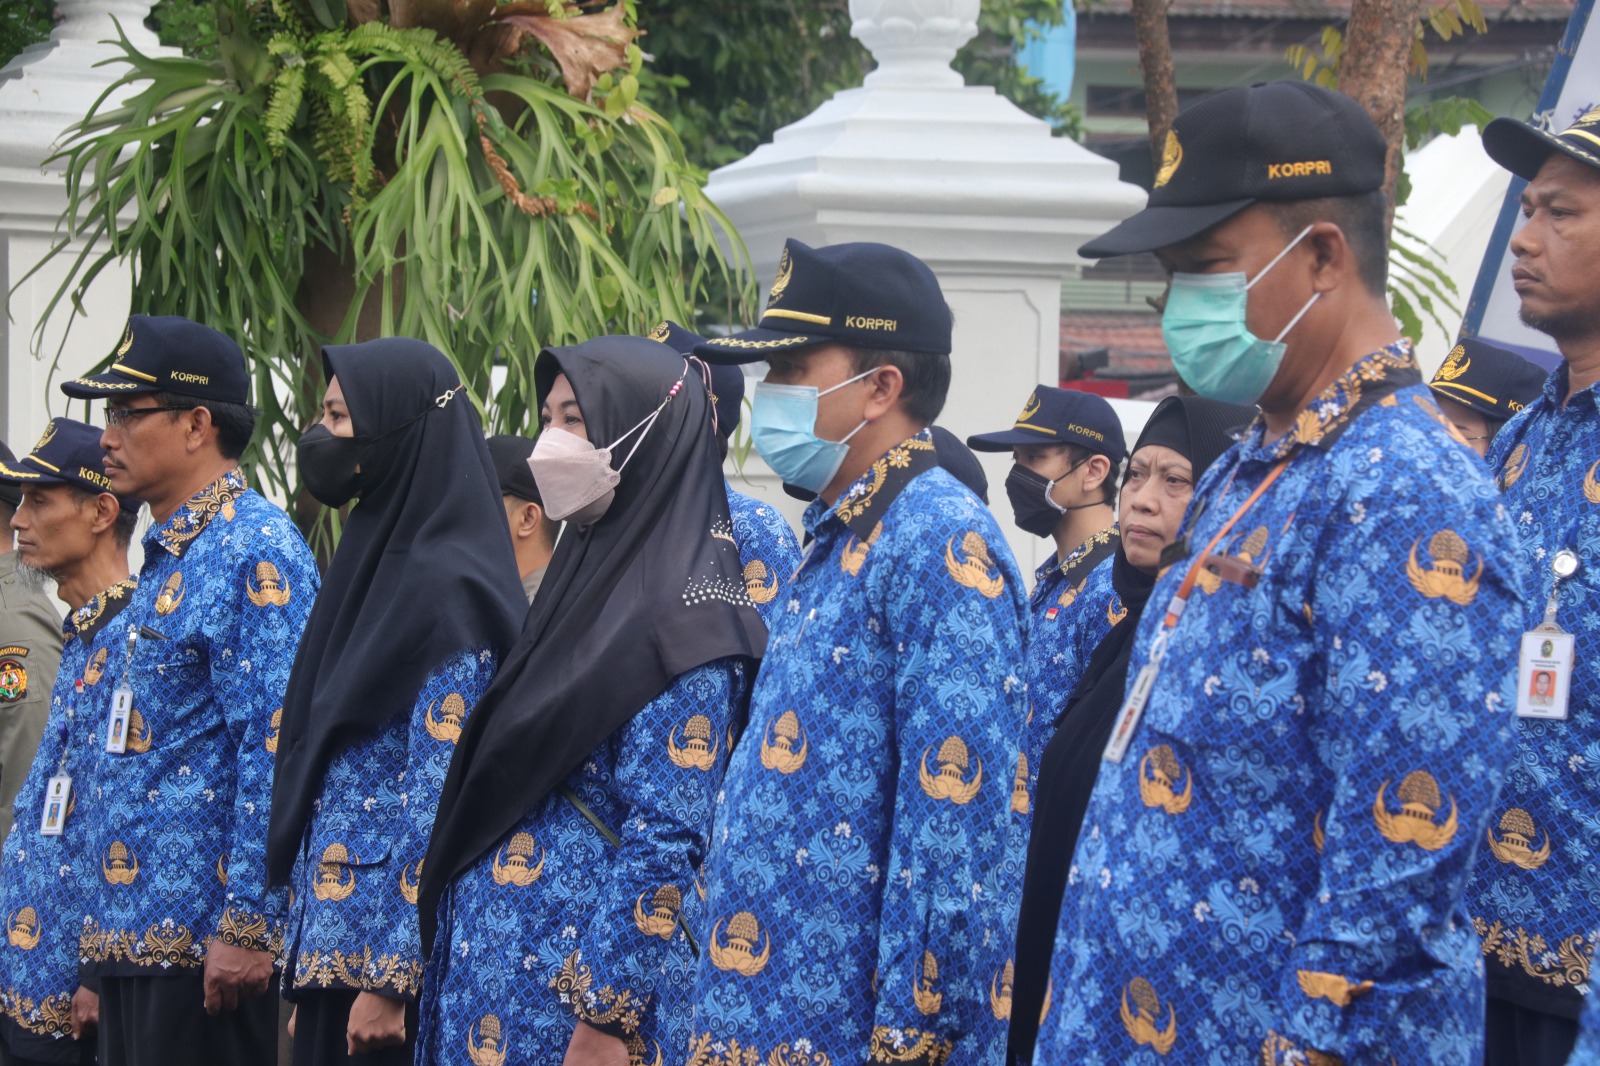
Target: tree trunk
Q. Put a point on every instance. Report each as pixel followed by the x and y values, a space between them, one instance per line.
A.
pixel 1374 70
pixel 1155 59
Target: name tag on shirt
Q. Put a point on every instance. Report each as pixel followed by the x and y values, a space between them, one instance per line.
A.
pixel 1544 674
pixel 57 794
pixel 1128 720
pixel 117 727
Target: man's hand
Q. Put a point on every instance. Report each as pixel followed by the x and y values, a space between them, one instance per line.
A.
pixel 233 975
pixel 590 1047
pixel 376 1022
pixel 85 1013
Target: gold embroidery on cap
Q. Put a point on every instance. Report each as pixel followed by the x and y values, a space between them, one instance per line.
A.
pixel 49 435
pixel 1171 157
pixel 781 282
pixel 127 340
pixel 1455 364
pixel 1302 169
pixel 660 332
pixel 802 316
pixel 131 372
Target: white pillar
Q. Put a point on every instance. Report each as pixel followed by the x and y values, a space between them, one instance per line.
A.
pixel 44 91
pixel 955 174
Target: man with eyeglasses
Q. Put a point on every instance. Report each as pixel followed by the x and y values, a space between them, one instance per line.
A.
pixel 181 932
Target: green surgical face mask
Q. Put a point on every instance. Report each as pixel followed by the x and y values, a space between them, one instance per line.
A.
pixel 1212 348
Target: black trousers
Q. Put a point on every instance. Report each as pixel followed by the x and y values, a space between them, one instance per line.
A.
pixel 18 1047
pixel 162 1021
pixel 1519 1036
pixel 321 1021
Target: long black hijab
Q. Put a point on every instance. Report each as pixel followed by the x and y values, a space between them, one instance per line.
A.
pixel 423 571
pixel 650 590
pixel 1198 429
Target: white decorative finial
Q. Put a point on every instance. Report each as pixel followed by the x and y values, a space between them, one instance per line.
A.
pixel 93 21
pixel 914 41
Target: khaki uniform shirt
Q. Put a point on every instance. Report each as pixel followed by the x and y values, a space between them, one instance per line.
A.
pixel 30 651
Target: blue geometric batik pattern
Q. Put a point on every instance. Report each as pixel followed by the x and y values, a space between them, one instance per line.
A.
pixel 1277 865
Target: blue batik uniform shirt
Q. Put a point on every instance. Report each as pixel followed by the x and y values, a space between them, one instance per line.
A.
pixel 179 841
pixel 862 885
pixel 43 878
pixel 1277 864
pixel 1536 898
pixel 768 550
pixel 1071 608
pixel 558 925
pixel 353 923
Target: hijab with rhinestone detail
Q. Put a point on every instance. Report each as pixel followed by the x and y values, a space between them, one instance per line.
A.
pixel 652 589
pixel 424 571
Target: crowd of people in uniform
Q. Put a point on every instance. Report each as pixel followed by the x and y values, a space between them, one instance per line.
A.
pixel 574 755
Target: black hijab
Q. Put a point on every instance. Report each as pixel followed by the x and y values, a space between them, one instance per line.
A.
pixel 1199 430
pixel 652 589
pixel 423 571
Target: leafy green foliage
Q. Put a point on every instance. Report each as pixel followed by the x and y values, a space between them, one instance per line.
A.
pixel 727 73
pixel 1418 284
pixel 312 185
pixel 23 22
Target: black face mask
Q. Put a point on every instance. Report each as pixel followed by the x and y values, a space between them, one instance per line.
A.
pixel 328 465
pixel 1029 493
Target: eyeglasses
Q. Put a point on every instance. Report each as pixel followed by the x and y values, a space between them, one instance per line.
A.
pixel 117 417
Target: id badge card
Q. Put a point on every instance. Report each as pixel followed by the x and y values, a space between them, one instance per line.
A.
pixel 1544 674
pixel 117 727
pixel 1128 719
pixel 57 796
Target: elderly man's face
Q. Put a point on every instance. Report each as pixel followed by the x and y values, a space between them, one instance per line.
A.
pixel 1557 247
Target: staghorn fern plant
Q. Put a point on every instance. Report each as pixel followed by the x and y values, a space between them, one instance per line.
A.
pixel 478 175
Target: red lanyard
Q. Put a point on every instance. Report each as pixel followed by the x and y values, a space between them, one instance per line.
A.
pixel 1180 599
pixel 1139 694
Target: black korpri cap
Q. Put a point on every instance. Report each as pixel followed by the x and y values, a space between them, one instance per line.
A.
pixel 170 353
pixel 863 295
pixel 509 453
pixel 69 453
pixel 1060 416
pixel 1282 141
pixel 10 492
pixel 1522 148
pixel 1492 381
pixel 727 380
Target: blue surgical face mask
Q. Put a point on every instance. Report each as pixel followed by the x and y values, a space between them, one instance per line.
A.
pixel 783 427
pixel 1212 348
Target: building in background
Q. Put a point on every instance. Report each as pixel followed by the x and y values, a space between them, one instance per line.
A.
pixel 1110 336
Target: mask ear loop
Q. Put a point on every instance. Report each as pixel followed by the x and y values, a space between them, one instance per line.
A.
pixel 649 420
pixel 705 377
pixel 1274 260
